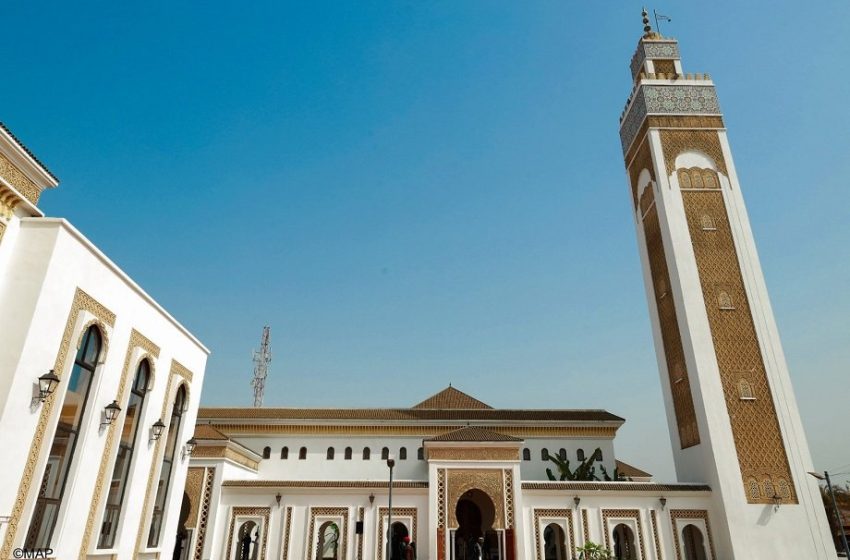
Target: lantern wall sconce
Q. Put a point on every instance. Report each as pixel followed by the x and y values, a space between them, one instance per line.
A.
pixel 663 501
pixel 189 448
pixel 47 384
pixel 371 499
pixel 110 413
pixel 777 501
pixel 576 501
pixel 277 498
pixel 157 429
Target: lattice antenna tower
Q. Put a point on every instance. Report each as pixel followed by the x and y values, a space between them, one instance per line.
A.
pixel 262 359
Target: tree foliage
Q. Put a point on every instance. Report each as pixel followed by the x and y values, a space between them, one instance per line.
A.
pixel 585 470
pixel 593 551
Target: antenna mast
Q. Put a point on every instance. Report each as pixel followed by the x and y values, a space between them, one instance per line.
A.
pixel 262 359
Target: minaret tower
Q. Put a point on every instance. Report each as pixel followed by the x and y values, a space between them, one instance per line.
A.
pixel 731 409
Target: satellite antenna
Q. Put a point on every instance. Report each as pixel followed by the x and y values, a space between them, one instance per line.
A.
pixel 262 359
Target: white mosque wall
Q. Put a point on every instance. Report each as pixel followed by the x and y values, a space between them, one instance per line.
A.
pixel 317 466
pixel 44 262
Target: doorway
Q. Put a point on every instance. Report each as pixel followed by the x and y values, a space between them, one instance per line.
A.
pixel 475 515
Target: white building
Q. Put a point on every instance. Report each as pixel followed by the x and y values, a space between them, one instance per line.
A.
pixel 298 481
pixel 313 484
pixel 73 481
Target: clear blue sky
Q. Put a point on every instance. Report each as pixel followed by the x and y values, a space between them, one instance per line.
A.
pixel 418 193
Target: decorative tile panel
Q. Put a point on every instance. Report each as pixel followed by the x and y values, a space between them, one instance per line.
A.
pixel 755 426
pixel 653 99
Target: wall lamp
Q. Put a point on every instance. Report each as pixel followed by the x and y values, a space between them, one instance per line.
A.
pixel 157 429
pixel 47 384
pixel 110 413
pixel 371 499
pixel 576 501
pixel 277 498
pixel 663 501
pixel 189 448
pixel 777 501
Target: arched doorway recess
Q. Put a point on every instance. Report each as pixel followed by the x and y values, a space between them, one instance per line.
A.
pixel 476 514
pixel 624 543
pixel 693 543
pixel 249 536
pixel 554 543
pixel 399 531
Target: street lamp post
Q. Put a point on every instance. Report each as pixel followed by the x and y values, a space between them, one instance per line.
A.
pixel 825 477
pixel 390 464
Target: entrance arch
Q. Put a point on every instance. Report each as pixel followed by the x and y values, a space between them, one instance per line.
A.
pixel 475 514
pixel 693 543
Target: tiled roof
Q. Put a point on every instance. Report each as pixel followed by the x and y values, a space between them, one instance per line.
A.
pixel 205 431
pixel 406 414
pixel 630 471
pixel 324 483
pixel 616 486
pixel 453 399
pixel 473 433
pixel 27 150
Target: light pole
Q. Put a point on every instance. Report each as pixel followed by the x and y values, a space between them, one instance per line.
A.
pixel 825 476
pixel 390 464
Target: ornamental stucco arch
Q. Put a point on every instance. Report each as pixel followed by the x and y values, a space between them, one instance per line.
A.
pixel 489 481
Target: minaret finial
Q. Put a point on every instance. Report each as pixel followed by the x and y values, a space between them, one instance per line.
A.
pixel 647 29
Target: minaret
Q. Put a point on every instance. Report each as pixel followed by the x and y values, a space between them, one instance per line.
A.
pixel 731 409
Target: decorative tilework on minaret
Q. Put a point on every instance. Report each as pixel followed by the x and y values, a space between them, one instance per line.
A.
pixel 731 409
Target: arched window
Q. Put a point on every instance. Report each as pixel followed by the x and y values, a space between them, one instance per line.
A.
pixel 562 454
pixel 385 453
pixel 526 454
pixel 420 453
pixel 267 452
pixel 554 543
pixel 347 453
pixel 544 454
pixel 328 546
pixel 129 432
pixel 71 412
pixel 302 454
pixel 167 466
pixel 745 390
pixel 724 301
pixel 783 488
pixel 330 453
pixel 753 486
pixel 580 454
pixel 366 453
pixel 707 223
pixel 402 454
pixel 769 491
pixel 693 543
pixel 284 453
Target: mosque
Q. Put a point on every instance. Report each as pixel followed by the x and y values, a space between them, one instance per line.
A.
pixel 108 455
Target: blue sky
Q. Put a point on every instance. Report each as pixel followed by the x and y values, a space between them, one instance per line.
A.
pixel 418 193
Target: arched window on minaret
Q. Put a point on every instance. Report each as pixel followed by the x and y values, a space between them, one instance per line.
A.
pixel 284 453
pixel 366 453
pixel 544 454
pixel 348 452
pixel 724 301
pixel 526 454
pixel 707 223
pixel 753 486
pixel 745 390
